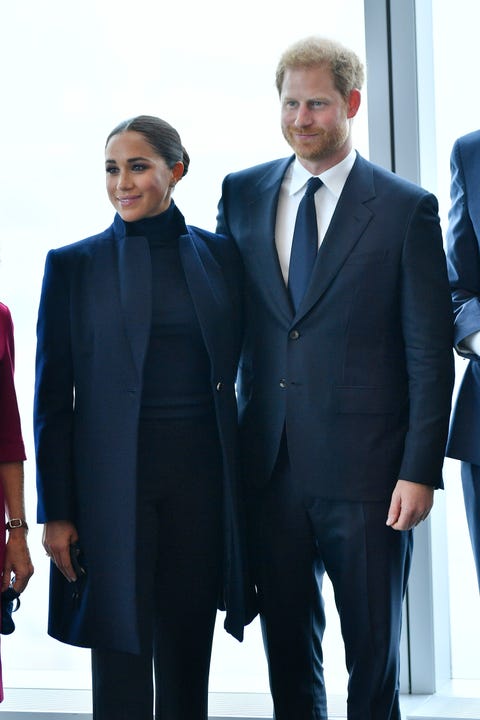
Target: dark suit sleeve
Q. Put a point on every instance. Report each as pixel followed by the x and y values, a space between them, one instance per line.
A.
pixel 53 403
pixel 427 322
pixel 462 253
pixel 222 225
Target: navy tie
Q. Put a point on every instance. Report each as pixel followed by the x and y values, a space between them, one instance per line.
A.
pixel 304 244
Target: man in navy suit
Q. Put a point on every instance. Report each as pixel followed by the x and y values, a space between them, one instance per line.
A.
pixel 463 245
pixel 344 392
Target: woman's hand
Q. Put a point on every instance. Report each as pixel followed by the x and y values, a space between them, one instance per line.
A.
pixel 18 568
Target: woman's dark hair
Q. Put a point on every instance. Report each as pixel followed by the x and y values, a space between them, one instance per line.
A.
pixel 163 138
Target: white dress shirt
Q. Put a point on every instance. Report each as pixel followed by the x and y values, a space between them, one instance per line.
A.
pixel 326 198
pixel 471 343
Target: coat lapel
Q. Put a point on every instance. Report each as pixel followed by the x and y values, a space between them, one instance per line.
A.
pixel 208 291
pixel 349 220
pixel 205 281
pixel 135 279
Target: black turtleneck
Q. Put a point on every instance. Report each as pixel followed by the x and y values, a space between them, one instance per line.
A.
pixel 176 374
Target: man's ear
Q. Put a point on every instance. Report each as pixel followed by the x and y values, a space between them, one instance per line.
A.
pixel 353 102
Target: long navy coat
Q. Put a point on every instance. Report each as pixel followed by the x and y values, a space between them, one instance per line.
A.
pixel 93 331
pixel 361 375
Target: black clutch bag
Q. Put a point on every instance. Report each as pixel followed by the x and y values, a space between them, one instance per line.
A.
pixel 10 602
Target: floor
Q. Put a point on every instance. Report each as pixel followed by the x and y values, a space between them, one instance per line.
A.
pixel 456 701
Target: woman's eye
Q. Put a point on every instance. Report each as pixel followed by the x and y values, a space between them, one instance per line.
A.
pixel 111 170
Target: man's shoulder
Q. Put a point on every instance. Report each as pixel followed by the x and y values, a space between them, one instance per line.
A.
pixel 386 179
pixel 466 153
pixel 469 140
pixel 261 170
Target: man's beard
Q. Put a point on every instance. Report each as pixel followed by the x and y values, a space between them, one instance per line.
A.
pixel 325 144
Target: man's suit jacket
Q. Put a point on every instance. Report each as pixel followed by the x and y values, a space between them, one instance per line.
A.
pixel 361 377
pixel 93 332
pixel 463 257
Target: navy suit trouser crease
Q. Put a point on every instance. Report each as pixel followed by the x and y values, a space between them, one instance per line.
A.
pixel 471 495
pixel 295 540
pixel 179 545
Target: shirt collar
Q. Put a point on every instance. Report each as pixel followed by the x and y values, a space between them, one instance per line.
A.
pixel 334 178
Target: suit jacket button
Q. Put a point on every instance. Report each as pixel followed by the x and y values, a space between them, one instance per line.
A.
pixel 294 335
pixel 219 386
pixel 283 383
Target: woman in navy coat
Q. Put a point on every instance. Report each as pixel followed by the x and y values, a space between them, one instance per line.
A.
pixel 135 431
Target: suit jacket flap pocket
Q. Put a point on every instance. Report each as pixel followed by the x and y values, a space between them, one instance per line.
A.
pixel 366 399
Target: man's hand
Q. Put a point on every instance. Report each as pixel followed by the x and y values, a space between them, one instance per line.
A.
pixel 410 504
pixel 57 538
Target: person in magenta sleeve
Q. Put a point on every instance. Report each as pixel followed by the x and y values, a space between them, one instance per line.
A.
pixel 15 560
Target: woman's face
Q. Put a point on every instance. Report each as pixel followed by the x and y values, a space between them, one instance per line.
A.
pixel 139 183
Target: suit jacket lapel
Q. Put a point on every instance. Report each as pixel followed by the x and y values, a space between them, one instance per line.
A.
pixel 135 279
pixel 262 255
pixel 349 220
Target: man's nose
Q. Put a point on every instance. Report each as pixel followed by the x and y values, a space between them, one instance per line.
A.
pixel 304 116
